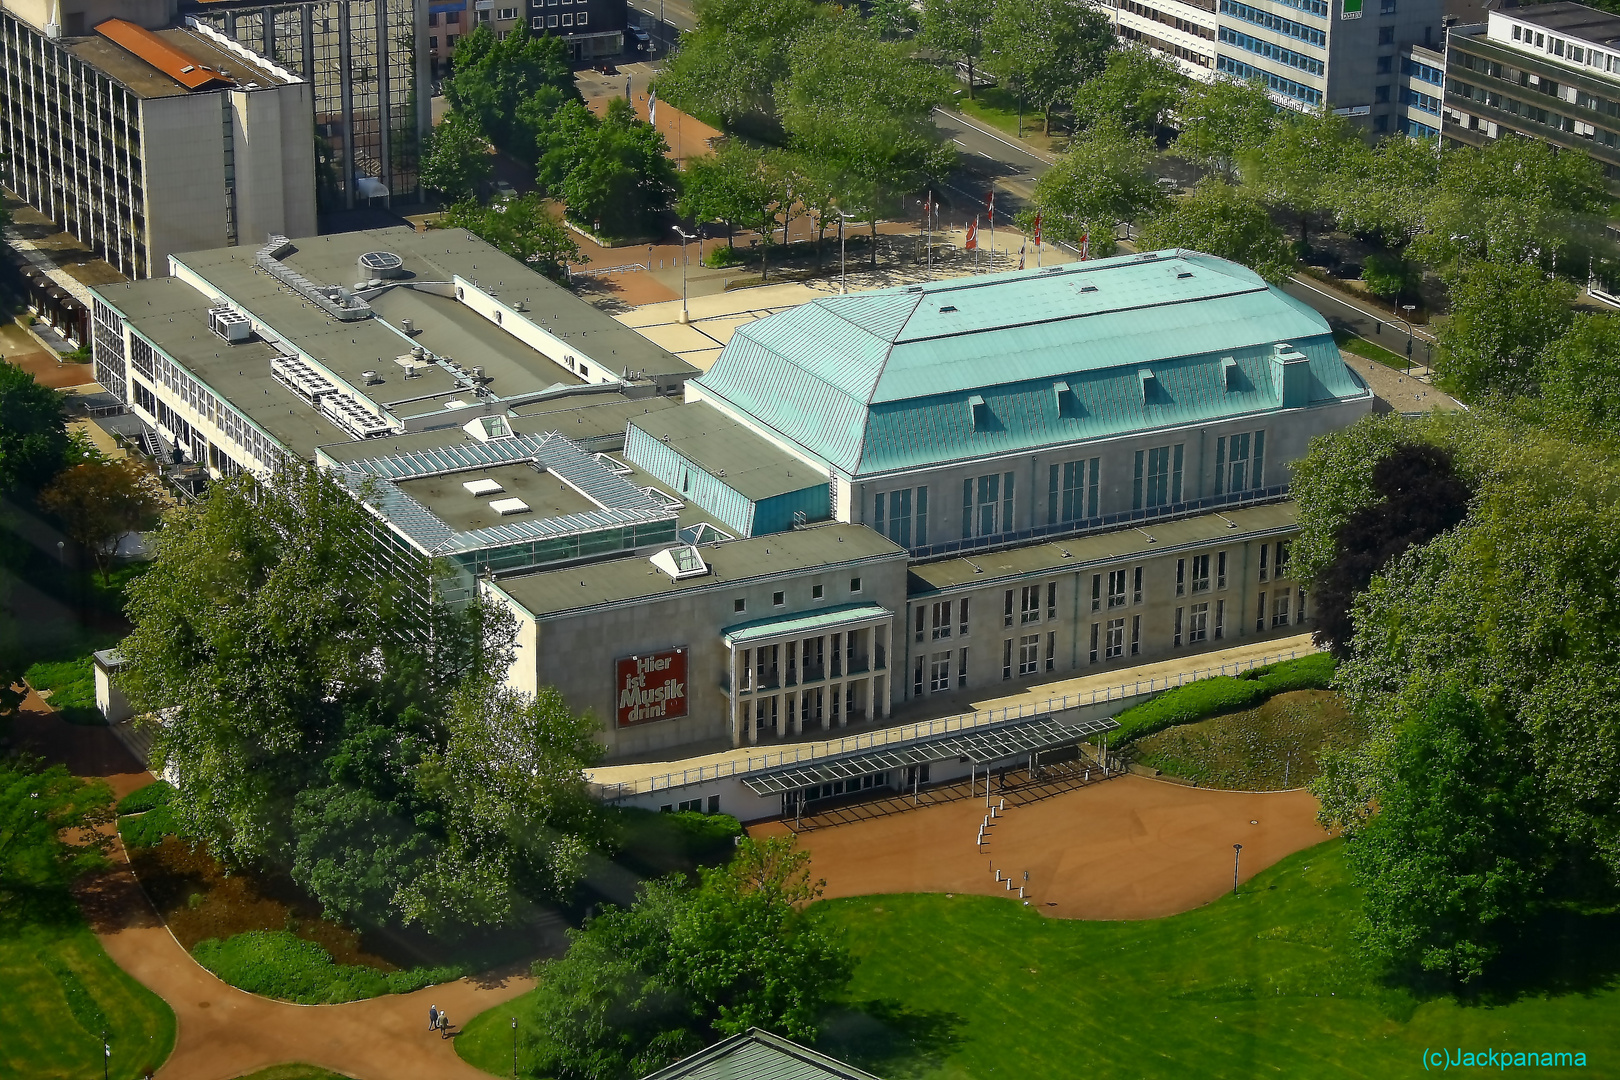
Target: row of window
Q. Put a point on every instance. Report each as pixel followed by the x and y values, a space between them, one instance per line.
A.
pixel 935 671
pixel 1186 26
pixel 1421 101
pixel 1416 130
pixel 779 598
pixel 1532 113
pixel 1286 87
pixel 1131 33
pixel 1425 72
pixel 1540 84
pixel 1568 50
pixel 1304 63
pixel 1277 23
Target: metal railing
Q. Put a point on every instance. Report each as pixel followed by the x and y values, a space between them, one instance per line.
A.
pixel 923 729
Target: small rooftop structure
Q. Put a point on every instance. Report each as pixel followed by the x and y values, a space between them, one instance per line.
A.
pixel 758 1055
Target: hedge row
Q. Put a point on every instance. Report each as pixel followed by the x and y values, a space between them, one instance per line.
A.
pixel 1223 694
pixel 153 795
pixel 278 964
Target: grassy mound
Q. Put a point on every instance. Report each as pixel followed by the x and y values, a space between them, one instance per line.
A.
pixel 1265 749
pixel 153 795
pixel 278 964
pixel 1224 694
pixel 72 687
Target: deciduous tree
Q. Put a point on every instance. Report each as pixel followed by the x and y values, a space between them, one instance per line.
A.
pixel 1138 89
pixel 33 431
pixel 1221 119
pixel 458 157
pixel 1101 181
pixel 957 28
pixel 102 502
pixel 525 229
pixel 492 77
pixel 1295 165
pixel 1503 316
pixel 1385 190
pixel 1220 219
pixel 729 67
pixel 1047 48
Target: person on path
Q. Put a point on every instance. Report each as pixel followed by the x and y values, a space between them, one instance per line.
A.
pixel 433 1017
pixel 444 1026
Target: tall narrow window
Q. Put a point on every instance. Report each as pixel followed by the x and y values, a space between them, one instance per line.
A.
pixel 1220 619
pixel 1029 654
pixel 1029 604
pixel 1178 627
pixel 1116 588
pixel 967 508
pixel 921 626
pixel 1136 585
pixel 1136 635
pixel 922 517
pixel 1260 619
pixel 1007 503
pixel 1095 629
pixel 962 607
pixel 917 677
pixel 1116 639
pixel 1006 658
pixel 1096 592
pixel 1181 577
pixel 942 620
pixel 1051 650
pixel 1281 567
pixel 1220 570
pixel 1265 551
pixel 961 669
pixel 1197 623
pixel 1007 609
pixel 1200 573
pixel 1051 601
pixel 989 496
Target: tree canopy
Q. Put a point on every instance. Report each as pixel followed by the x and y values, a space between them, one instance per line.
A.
pixel 320 715
pixel 729 67
pixel 1503 316
pixel 492 77
pixel 1221 119
pixel 1101 181
pixel 1295 165
pixel 956 28
pixel 523 228
pixel 101 502
pixel 1138 89
pixel 1225 220
pixel 1043 50
pixel 458 157
pixel 33 430
pixel 645 985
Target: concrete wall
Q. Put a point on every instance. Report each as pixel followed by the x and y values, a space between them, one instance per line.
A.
pixel 182 151
pixel 152 14
pixel 576 652
pixel 1064 643
pixel 274 135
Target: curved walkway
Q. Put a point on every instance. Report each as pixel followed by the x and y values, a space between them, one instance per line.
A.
pixel 1128 848
pixel 222 1032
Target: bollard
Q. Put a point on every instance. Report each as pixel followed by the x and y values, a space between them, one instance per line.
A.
pixel 1020 892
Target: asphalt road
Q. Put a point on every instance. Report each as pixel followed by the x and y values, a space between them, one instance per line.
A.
pixel 985 161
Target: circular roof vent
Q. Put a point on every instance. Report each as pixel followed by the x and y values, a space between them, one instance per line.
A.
pixel 381 264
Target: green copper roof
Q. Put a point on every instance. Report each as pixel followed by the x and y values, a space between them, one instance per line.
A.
pixel 881 381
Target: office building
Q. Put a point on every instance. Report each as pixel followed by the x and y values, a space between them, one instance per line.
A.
pixel 592 28
pixel 1546 71
pixel 1342 53
pixel 142 135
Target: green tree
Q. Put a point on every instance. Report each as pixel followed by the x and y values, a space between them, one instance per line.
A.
pixel 728 68
pixel 1385 190
pixel 1503 316
pixel 458 157
pixel 1220 219
pixel 1221 120
pixel 1138 89
pixel 48 826
pixel 715 187
pixel 621 176
pixel 1335 480
pixel 643 986
pixel 862 109
pixel 101 502
pixel 525 229
pixel 957 28
pixel 33 430
pixel 1295 165
pixel 1101 181
pixel 1046 49
pixel 493 77
pixel 1513 201
pixel 892 19
pixel 1453 863
pixel 1581 373
pixel 1389 276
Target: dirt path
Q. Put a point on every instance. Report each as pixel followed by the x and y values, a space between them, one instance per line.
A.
pixel 1130 848
pixel 223 1032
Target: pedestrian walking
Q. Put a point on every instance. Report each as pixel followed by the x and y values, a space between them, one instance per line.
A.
pixel 433 1017
pixel 444 1025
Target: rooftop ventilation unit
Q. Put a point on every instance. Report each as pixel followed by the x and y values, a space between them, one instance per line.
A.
pixel 354 417
pixel 230 324
pixel 407 326
pixel 328 299
pixel 381 264
pixel 371 378
pixel 483 486
pixel 508 507
pixel 302 379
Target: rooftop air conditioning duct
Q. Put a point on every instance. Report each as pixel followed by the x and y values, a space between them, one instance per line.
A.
pixel 371 378
pixel 407 326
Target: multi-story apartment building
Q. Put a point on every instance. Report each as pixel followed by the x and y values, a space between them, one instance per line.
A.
pixel 1342 53
pixel 1548 71
pixel 1422 92
pixel 592 28
pixel 141 142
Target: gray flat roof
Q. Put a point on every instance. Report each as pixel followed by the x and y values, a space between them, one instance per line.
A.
pixel 545 495
pixel 740 457
pixel 557 592
pixel 448 328
pixel 145 81
pixel 1145 541
pixel 168 312
pixel 1576 20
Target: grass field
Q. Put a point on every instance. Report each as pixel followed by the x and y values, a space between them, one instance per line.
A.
pixel 1264 749
pixel 1364 348
pixel 62 990
pixel 1263 984
pixel 996 107
pixel 295 1072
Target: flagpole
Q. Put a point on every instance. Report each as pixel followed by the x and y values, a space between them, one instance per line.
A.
pixel 928 233
pixel 992 227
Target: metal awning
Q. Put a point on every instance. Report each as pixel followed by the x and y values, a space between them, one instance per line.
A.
pixel 982 746
pixel 804 624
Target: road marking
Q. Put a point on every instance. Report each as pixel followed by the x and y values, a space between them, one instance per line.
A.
pixel 991 135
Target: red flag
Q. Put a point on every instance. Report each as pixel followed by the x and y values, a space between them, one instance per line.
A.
pixel 972 235
pixel 992 208
pixel 1085 246
pixel 1037 229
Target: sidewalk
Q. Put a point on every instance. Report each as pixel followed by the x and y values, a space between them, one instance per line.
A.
pixel 1124 683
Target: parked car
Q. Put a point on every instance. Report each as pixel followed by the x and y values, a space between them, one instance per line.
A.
pixel 637 40
pixel 504 191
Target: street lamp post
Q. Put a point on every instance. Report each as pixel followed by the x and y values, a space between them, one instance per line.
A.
pixel 514 1048
pixel 685 236
pixel 843 273
pixel 1409 308
pixel 1237 853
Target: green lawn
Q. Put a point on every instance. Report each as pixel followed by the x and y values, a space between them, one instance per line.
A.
pixel 61 989
pixel 1265 749
pixel 1263 984
pixel 295 1072
pixel 1364 348
pixel 994 106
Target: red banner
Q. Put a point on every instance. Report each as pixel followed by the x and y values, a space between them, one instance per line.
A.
pixel 972 241
pixel 651 687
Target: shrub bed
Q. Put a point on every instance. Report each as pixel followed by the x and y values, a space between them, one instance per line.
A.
pixel 72 686
pixel 279 964
pixel 1224 693
pixel 153 795
pixel 147 829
